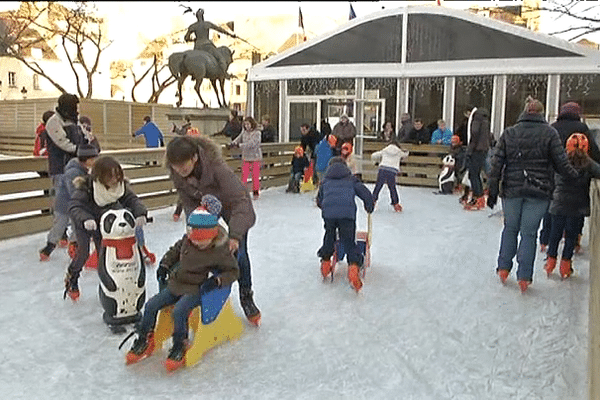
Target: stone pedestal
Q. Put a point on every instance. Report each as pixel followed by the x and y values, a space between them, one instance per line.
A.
pixel 207 120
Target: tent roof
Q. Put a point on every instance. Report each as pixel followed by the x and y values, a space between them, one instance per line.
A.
pixel 427 41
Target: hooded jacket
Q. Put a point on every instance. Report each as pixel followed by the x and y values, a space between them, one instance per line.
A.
pixel 189 266
pixel 525 158
pixel 389 157
pixel 64 137
pixel 66 188
pixel 336 193
pixel 212 175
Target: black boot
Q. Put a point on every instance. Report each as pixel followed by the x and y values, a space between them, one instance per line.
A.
pixel 46 251
pixel 252 312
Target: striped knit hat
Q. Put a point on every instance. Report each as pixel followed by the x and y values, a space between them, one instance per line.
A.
pixel 203 221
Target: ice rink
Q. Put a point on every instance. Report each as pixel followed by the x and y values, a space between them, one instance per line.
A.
pixel 432 322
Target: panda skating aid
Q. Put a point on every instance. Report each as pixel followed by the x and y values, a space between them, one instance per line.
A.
pixel 121 271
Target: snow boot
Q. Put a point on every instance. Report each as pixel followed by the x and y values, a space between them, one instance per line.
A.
pixel 92 261
pixel 72 250
pixel 475 204
pixel 354 276
pixel 255 195
pixel 71 288
pixel 326 268
pixel 142 347
pixel 149 258
pixel 503 274
pixel 46 251
pixel 64 241
pixel 176 357
pixel 550 265
pixel 247 302
pixel 566 268
pixel 523 285
pixel 578 244
pixel 176 217
pixel 397 208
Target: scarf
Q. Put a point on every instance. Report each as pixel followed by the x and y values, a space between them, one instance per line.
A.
pixel 104 196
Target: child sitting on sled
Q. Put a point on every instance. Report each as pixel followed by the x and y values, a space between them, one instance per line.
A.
pixel 335 198
pixel 195 265
pixel 299 165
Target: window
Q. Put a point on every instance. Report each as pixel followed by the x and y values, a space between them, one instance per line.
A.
pixel 36 82
pixel 12 79
pixel 238 90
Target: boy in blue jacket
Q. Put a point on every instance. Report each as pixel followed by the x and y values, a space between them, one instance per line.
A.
pixel 335 198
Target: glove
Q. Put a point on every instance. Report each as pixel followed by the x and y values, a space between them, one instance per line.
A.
pixel 210 284
pixel 162 274
pixel 491 200
pixel 90 225
pixel 140 221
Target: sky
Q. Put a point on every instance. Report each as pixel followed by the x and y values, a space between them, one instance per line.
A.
pixel 432 321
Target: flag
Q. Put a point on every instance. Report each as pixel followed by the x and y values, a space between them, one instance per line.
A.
pixel 300 19
pixel 352 13
pixel 301 23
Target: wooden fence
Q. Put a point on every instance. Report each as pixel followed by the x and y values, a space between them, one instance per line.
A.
pixel 594 302
pixel 113 122
pixel 25 188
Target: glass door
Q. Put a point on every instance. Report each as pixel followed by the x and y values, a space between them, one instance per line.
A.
pixel 301 112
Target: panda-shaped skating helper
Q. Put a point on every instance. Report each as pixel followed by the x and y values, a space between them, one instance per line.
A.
pixel 446 179
pixel 121 270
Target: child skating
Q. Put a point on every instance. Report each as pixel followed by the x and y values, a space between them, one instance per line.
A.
pixel 336 200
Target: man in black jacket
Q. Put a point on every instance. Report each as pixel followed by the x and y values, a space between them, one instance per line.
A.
pixel 524 161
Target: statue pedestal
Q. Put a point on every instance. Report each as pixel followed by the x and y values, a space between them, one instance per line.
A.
pixel 207 120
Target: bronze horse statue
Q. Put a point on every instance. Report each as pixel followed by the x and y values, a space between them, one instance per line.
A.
pixel 199 65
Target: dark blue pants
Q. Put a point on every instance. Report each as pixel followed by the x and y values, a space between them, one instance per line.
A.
pixel 345 228
pixel 245 280
pixel 476 164
pixel 571 228
pixel 83 249
pixel 546 228
pixel 387 177
pixel 183 306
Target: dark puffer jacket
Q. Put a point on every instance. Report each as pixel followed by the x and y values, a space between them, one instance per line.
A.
pixel 337 191
pixel 572 196
pixel 568 123
pixel 525 158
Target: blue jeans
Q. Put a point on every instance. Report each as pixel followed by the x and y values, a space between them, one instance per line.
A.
pixel 183 306
pixel 571 227
pixel 387 177
pixel 522 215
pixel 245 280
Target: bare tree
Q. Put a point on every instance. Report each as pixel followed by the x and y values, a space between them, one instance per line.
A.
pixel 580 17
pixel 75 31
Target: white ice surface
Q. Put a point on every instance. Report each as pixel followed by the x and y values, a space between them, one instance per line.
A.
pixel 432 322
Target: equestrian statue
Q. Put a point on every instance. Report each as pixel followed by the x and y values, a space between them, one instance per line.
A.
pixel 204 61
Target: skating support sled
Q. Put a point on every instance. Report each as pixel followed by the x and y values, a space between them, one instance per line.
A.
pixel 212 323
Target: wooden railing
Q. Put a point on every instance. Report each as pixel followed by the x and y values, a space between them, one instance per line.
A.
pixel 594 302
pixel 421 168
pixel 25 188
